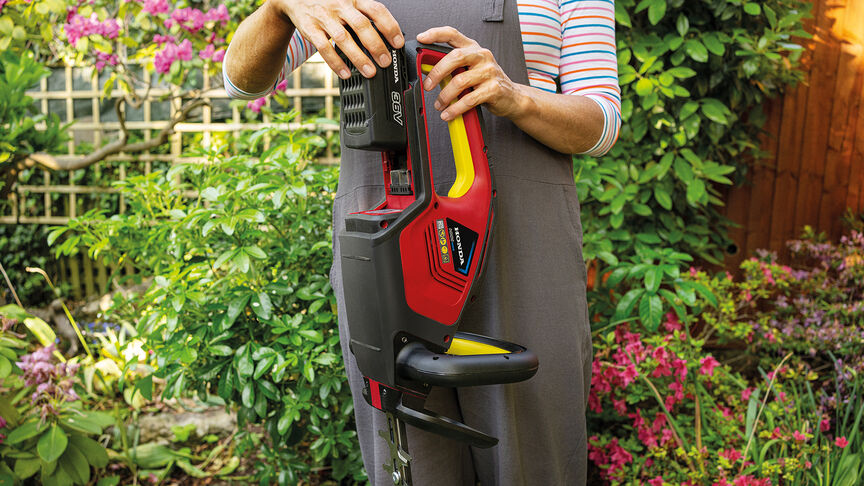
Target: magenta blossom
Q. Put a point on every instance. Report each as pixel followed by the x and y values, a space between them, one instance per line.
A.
pixel 156 7
pixel 164 59
pixel 256 104
pixel 841 442
pixel 79 26
pixel 708 364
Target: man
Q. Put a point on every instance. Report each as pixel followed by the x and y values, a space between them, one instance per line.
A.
pixel 534 289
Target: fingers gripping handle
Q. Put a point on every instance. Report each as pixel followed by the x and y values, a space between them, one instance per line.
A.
pixel 466 136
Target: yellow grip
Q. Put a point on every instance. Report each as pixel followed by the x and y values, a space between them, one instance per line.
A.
pixel 465 347
pixel 461 149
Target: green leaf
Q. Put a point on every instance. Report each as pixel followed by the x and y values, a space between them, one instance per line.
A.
pixel 626 304
pixel 682 72
pixel 262 306
pixel 92 450
pixel 653 278
pixel 715 111
pixel 145 386
pixel 644 87
pixel 696 191
pixel 682 25
pixel 309 371
pixel 41 330
pixel 247 396
pixel 651 311
pixel 696 50
pixel 24 432
pixel 255 252
pixel 656 11
pixel 75 464
pixel 663 198
pixel 26 467
pixel 52 444
pixel 752 8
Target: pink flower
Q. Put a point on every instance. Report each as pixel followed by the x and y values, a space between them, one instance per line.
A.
pixel 2 422
pixel 256 104
pixel 103 59
pixel 708 364
pixel 799 436
pixel 776 434
pixel 620 406
pixel 781 397
pixel 162 39
pixel 156 7
pixel 78 26
pixel 672 323
pixel 748 296
pixel 218 14
pixel 680 367
pixel 282 86
pixel 219 55
pixel 825 425
pixel 207 52
pixel 745 394
pixel 658 481
pixel 164 59
pixel 841 442
pixel 732 455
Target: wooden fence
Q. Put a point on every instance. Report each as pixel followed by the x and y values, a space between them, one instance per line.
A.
pixel 44 197
pixel 817 141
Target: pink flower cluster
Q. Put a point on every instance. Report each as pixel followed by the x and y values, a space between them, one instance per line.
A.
pixel 103 59
pixel 612 458
pixel 78 26
pixel 170 52
pixel 256 105
pixel 2 421
pixel 156 7
pixel 611 378
pixel 192 20
pixel 211 53
pixel 53 382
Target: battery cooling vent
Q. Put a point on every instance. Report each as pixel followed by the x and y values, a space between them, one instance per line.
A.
pixel 353 101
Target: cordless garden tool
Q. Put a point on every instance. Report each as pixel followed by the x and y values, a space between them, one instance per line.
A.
pixel 412 263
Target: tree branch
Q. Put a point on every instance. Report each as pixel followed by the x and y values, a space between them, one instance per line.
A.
pixel 120 145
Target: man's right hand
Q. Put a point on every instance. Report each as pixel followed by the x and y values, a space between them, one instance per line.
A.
pixel 319 21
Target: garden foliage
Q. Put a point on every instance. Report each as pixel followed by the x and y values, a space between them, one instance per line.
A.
pixel 693 77
pixel 240 304
pixel 761 386
pixel 45 432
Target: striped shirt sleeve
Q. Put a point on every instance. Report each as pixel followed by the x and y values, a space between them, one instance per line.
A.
pixel 299 50
pixel 589 64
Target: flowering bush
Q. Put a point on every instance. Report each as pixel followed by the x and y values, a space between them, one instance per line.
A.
pixel 44 429
pixel 759 384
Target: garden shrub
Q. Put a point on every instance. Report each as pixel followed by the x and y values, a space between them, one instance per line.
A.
pixel 45 431
pixel 693 77
pixel 240 304
pixel 759 385
pixel 20 132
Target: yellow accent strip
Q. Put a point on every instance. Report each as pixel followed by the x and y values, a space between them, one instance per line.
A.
pixel 461 149
pixel 465 347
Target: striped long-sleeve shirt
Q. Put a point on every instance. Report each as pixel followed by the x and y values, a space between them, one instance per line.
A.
pixel 569 45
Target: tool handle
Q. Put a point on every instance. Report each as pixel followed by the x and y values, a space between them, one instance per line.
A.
pixel 498 362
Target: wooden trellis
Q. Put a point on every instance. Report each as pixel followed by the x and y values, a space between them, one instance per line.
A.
pixel 45 197
pixel 71 90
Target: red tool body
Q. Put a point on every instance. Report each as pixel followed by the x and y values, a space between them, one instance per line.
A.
pixel 412 263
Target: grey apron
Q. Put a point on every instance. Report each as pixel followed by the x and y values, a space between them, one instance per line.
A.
pixel 533 292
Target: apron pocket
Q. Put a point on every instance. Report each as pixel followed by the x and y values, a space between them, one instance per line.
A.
pixel 494 11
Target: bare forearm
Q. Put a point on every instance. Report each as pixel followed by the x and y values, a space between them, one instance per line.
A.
pixel 566 123
pixel 257 51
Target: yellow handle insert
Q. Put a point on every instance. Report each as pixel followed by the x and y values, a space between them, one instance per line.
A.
pixel 461 149
pixel 465 347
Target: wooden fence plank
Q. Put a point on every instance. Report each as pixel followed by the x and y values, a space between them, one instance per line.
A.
pixel 823 80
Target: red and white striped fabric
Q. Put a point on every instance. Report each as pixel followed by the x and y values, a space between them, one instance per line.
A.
pixel 569 48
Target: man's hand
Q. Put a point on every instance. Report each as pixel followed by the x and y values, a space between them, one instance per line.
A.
pixel 319 21
pixel 491 86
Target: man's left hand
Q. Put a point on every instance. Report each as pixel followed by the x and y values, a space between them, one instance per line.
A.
pixel 488 83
